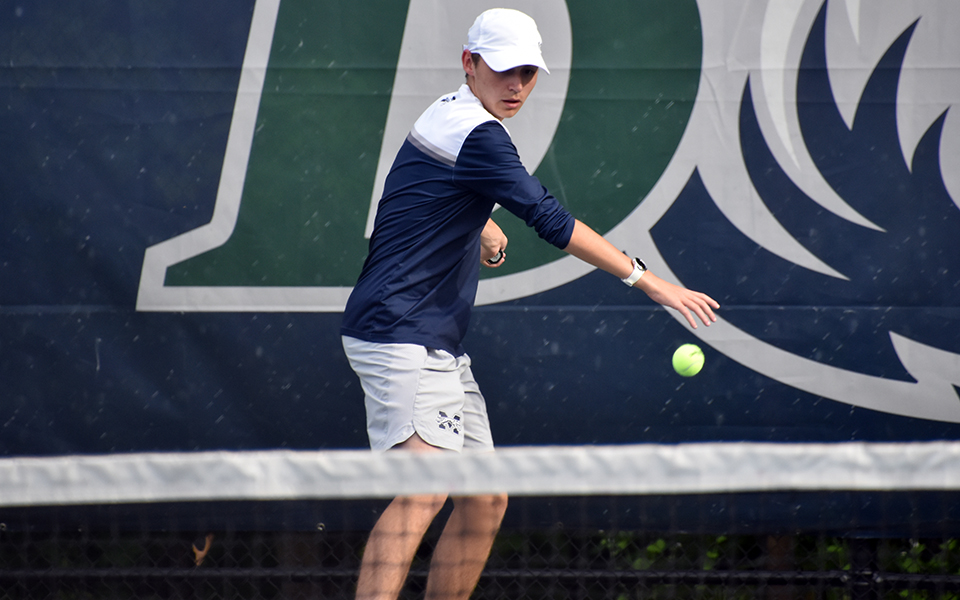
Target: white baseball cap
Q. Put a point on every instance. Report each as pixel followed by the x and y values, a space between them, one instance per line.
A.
pixel 506 38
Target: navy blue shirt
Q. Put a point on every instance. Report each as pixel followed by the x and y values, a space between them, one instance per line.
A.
pixel 419 281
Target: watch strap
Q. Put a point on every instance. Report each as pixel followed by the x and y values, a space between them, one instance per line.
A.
pixel 638 270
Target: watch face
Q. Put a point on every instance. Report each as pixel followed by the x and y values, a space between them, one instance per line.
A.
pixel 641 264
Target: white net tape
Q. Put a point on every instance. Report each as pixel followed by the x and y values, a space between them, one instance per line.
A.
pixel 518 471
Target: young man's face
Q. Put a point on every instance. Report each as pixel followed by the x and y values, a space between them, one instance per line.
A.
pixel 502 94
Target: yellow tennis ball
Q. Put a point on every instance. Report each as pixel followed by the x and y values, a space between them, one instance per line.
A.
pixel 688 360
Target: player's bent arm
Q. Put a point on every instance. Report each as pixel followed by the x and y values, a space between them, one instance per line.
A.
pixel 591 247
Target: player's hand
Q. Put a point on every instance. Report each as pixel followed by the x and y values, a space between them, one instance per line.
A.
pixel 493 245
pixel 687 302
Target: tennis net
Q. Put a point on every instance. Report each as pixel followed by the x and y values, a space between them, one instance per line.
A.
pixel 711 520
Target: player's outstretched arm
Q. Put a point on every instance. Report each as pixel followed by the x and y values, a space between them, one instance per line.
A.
pixel 591 247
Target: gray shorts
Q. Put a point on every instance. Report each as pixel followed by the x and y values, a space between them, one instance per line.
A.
pixel 412 389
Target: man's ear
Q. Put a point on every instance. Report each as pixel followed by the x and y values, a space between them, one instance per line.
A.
pixel 467 59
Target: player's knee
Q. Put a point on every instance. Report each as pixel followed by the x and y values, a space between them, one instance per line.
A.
pixel 498 504
pixel 491 506
pixel 422 506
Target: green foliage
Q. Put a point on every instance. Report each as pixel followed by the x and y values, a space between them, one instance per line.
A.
pixel 839 553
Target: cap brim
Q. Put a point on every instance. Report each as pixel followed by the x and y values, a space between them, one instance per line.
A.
pixel 506 60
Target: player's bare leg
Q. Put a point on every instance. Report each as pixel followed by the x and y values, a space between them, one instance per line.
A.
pixel 395 538
pixel 392 545
pixel 464 546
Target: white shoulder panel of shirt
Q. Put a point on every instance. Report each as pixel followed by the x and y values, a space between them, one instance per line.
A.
pixel 443 127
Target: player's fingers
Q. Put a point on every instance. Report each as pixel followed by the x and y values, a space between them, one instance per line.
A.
pixel 705 306
pixel 702 310
pixel 694 312
pixel 710 301
pixel 689 316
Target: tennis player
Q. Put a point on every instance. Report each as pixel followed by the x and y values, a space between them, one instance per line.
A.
pixel 406 318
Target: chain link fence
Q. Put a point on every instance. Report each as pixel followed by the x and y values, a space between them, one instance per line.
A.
pixel 569 559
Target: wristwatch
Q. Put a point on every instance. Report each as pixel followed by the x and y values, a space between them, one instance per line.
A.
pixel 638 270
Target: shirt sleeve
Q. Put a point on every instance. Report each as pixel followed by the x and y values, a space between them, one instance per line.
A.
pixel 488 164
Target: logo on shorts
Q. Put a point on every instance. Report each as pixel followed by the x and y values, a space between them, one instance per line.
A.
pixel 452 423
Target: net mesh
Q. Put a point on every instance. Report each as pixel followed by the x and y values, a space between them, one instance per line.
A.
pixel 889 529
